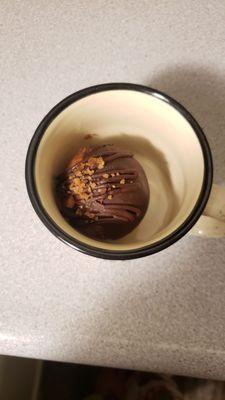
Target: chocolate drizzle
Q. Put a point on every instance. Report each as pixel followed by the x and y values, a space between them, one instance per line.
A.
pixel 103 192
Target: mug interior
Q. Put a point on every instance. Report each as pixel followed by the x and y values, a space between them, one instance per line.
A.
pixel 159 136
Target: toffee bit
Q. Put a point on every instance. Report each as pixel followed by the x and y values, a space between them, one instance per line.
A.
pixel 81 166
pixel 101 163
pixel 105 176
pixel 89 171
pixel 109 197
pixel 122 182
pixel 77 181
pixel 69 202
pixel 78 173
pixel 102 190
pixel 117 174
pixel 112 175
pixel 78 212
pixel 89 136
pixel 114 186
pixel 92 162
pixel 85 197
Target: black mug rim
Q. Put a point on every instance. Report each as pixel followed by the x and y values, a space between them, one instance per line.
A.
pixel 118 254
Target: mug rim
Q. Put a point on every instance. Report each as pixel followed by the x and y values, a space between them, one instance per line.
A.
pixel 118 254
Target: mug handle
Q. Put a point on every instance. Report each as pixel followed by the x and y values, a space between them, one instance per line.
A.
pixel 212 221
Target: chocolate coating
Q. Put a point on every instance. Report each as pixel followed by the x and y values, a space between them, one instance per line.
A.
pixel 103 192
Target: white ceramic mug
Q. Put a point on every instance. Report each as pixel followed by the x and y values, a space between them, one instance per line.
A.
pixel 162 135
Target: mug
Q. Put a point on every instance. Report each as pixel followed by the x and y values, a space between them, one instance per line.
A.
pixel 163 136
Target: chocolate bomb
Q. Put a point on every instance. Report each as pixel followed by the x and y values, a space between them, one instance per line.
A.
pixel 103 192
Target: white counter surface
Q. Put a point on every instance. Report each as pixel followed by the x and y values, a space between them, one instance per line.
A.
pixel 162 313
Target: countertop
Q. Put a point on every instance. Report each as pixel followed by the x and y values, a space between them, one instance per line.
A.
pixel 161 313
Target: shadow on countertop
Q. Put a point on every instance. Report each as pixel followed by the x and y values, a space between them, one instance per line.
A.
pixel 202 92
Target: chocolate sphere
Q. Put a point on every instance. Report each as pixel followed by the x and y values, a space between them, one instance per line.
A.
pixel 103 192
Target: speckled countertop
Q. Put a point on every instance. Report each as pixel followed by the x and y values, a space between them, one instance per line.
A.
pixel 162 313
